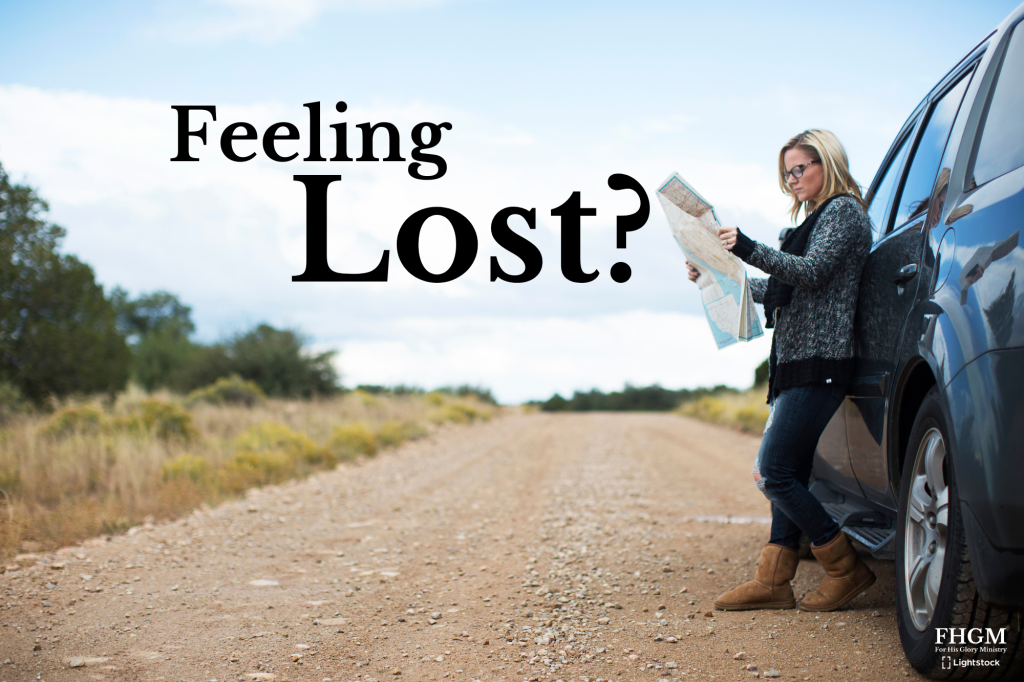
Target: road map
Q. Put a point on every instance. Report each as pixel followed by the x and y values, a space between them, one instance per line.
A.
pixel 723 278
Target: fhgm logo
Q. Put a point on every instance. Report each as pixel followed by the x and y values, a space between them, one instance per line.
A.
pixel 970 647
pixel 988 636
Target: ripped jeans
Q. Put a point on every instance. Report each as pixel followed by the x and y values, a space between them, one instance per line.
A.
pixel 796 420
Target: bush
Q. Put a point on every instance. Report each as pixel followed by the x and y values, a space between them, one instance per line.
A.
pixel 395 432
pixel 555 403
pixel 459 413
pixel 167 421
pixel 81 419
pixel 761 373
pixel 11 401
pixel 706 409
pixel 10 479
pixel 250 469
pixel 752 419
pixel 231 390
pixel 275 437
pixel 631 398
pixel 367 399
pixel 187 466
pixel 351 440
pixel 481 393
pixel 160 360
pixel 204 366
pixel 277 360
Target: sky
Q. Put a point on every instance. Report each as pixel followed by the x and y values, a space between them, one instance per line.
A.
pixel 544 99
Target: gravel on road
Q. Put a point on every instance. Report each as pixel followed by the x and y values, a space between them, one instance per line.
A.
pixel 574 547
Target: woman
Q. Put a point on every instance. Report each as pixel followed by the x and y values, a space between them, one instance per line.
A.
pixel 810 301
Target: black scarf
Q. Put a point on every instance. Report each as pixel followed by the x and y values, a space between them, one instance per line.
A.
pixel 777 294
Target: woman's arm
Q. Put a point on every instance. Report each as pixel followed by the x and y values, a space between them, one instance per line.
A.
pixel 840 232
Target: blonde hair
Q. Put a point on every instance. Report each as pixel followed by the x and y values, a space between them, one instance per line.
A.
pixel 822 146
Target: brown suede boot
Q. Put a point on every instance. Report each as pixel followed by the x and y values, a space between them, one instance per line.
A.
pixel 846 576
pixel 770 588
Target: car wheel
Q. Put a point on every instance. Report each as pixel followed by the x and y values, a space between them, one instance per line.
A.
pixel 934 586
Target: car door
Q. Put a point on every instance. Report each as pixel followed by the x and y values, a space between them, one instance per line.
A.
pixel 889 283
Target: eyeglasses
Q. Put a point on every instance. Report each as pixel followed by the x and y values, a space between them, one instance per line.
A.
pixel 797 172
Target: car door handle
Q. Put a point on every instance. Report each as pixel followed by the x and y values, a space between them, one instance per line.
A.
pixel 905 274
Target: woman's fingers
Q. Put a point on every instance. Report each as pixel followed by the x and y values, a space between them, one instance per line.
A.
pixel 728 237
pixel 692 272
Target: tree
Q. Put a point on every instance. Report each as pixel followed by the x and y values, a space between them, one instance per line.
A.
pixel 157 313
pixel 58 332
pixel 761 373
pixel 205 365
pixel 275 359
pixel 158 326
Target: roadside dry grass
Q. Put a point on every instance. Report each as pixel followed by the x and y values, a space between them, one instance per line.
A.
pixel 91 468
pixel 746 412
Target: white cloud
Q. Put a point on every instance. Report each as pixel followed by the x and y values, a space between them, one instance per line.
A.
pixel 227 238
pixel 269 21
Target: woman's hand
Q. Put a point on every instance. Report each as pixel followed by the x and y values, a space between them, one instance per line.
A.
pixel 728 237
pixel 692 272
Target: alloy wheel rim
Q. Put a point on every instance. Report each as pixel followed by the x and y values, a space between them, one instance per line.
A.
pixel 926 529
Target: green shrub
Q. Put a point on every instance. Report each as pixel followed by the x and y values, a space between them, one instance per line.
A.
pixel 706 409
pixel 250 469
pixel 10 479
pixel 231 390
pixel 761 373
pixel 459 413
pixel 481 393
pixel 116 526
pixel 82 419
pixel 280 361
pixel 752 419
pixel 275 437
pixel 394 432
pixel 11 401
pixel 352 440
pixel 167 421
pixel 187 466
pixel 367 399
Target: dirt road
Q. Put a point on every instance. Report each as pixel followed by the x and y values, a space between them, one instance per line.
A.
pixel 577 547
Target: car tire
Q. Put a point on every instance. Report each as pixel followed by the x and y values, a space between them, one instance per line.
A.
pixel 934 584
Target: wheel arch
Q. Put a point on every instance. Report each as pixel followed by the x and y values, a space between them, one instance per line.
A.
pixel 915 381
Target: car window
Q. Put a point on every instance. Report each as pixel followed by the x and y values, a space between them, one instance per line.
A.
pixel 917 188
pixel 1001 148
pixel 883 192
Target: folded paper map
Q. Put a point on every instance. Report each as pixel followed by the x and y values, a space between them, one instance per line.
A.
pixel 723 279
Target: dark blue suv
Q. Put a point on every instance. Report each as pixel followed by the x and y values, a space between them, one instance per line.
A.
pixel 924 462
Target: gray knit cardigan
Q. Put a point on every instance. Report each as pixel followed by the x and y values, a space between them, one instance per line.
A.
pixel 814 341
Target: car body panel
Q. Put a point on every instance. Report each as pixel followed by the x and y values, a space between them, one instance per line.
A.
pixel 988 417
pixel 959 324
pixel 832 458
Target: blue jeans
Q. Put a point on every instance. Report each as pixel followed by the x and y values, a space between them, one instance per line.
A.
pixel 797 419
